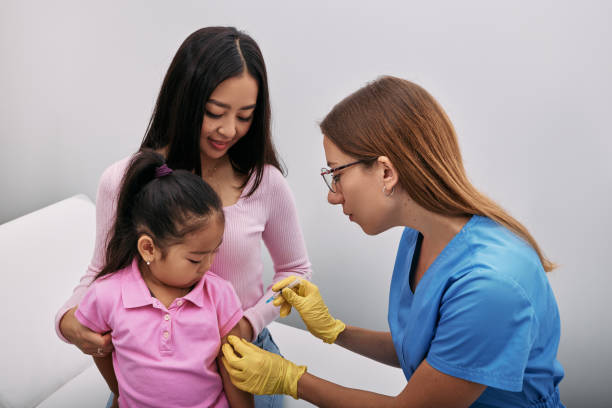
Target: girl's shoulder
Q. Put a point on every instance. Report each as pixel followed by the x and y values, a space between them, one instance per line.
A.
pixel 107 289
pixel 112 280
pixel 214 282
pixel 219 289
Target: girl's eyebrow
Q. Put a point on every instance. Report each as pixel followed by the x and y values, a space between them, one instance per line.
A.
pixel 226 106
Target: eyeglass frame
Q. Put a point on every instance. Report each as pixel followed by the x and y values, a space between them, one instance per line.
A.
pixel 325 171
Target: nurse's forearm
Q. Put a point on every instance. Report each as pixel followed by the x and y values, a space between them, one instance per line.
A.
pixel 369 343
pixel 427 387
pixel 324 394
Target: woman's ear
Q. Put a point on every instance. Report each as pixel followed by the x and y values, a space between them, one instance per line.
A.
pixel 146 248
pixel 390 177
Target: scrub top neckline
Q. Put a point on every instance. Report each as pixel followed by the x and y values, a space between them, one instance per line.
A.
pixel 446 251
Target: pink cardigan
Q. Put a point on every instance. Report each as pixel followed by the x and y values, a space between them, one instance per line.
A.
pixel 269 214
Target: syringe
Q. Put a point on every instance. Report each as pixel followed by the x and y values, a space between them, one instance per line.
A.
pixel 289 286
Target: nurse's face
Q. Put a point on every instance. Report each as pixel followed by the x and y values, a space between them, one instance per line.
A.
pixel 358 190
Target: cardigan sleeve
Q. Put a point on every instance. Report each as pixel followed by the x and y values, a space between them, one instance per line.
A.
pixel 283 237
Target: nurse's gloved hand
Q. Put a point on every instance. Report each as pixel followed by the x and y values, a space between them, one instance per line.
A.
pixel 258 371
pixel 306 299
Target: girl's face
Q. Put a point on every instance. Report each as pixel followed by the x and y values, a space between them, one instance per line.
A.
pixel 186 263
pixel 358 190
pixel 228 115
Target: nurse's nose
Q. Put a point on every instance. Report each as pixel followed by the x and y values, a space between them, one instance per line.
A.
pixel 335 198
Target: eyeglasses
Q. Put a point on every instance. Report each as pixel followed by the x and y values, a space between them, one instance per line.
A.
pixel 331 180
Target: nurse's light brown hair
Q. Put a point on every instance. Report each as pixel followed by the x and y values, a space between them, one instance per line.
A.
pixel 396 118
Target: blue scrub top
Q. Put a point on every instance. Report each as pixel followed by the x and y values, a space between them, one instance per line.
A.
pixel 484 312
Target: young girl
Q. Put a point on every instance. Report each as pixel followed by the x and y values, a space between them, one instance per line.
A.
pixel 212 118
pixel 167 314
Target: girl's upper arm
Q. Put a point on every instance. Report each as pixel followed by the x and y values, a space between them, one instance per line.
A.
pixel 236 397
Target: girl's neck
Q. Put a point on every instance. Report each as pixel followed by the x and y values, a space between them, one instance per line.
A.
pixel 159 290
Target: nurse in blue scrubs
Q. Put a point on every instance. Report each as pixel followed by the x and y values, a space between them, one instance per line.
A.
pixel 473 320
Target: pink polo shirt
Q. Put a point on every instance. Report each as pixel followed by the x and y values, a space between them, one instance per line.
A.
pixel 268 215
pixel 164 357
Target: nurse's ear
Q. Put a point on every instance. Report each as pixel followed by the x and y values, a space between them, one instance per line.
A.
pixel 389 175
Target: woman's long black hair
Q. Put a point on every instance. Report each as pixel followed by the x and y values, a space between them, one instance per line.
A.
pixel 164 206
pixel 206 58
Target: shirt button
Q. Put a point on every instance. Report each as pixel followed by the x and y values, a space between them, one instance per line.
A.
pixel 167 317
pixel 166 335
pixel 179 302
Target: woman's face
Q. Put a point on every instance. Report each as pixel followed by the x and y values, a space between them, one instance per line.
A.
pixel 358 190
pixel 228 115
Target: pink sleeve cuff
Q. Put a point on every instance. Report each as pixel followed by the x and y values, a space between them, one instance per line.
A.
pixel 223 331
pixel 87 323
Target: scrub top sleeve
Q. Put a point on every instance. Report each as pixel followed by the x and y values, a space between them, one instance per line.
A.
pixel 485 332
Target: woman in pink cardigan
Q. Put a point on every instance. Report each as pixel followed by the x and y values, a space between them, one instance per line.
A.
pixel 212 117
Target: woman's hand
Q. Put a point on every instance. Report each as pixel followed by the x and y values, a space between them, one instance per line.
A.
pixel 89 342
pixel 306 299
pixel 258 371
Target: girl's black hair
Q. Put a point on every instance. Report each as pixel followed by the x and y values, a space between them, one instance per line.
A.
pixel 166 208
pixel 206 58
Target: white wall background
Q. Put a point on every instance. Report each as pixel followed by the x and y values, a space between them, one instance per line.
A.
pixel 526 83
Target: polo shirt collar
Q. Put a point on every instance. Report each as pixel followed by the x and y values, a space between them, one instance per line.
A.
pixel 196 295
pixel 135 292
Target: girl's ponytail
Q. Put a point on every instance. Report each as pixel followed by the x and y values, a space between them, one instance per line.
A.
pixel 159 202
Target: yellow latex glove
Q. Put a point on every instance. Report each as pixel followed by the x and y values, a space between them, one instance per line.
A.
pixel 306 299
pixel 258 371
